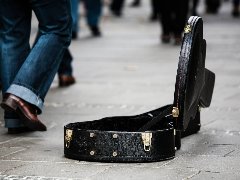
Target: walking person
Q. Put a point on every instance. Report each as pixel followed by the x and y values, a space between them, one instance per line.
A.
pixel 93 10
pixel 116 7
pixel 173 19
pixel 155 13
pixel 212 6
pixel 28 73
pixel 236 8
pixel 154 8
pixel 194 7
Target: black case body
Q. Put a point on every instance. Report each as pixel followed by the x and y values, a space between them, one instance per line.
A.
pixel 115 139
pixel 154 135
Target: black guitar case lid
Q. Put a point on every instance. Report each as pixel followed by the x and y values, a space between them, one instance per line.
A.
pixel 194 84
pixel 154 135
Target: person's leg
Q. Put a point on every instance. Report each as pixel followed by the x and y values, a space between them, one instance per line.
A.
pixel 181 12
pixel 194 7
pixel 212 6
pixel 116 7
pixel 155 10
pixel 26 94
pixel 15 17
pixel 74 13
pixel 235 10
pixel 37 72
pixel 65 67
pixel 165 20
pixel 65 70
pixel 94 12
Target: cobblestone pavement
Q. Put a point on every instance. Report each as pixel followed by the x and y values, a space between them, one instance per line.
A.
pixel 126 72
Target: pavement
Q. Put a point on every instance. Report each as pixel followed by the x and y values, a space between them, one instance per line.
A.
pixel 126 72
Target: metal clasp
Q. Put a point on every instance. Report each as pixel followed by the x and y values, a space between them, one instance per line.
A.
pixel 68 137
pixel 175 112
pixel 187 28
pixel 147 140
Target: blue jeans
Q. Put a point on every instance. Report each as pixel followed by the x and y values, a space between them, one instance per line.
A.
pixel 25 72
pixel 74 13
pixel 93 12
pixel 65 67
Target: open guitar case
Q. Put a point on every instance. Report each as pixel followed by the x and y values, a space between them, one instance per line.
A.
pixel 154 135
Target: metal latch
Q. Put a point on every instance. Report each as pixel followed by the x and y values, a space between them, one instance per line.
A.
pixel 175 112
pixel 68 137
pixel 187 28
pixel 147 140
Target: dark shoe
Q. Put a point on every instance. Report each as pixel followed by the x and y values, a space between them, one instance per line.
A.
pixel 26 112
pixel 19 130
pixel 136 3
pixel 95 31
pixel 66 80
pixel 165 39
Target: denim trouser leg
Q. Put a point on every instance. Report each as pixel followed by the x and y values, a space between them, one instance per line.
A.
pixel 34 77
pixel 94 11
pixel 65 67
pixel 74 13
pixel 15 17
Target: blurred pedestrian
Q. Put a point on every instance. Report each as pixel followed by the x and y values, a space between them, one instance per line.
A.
pixel 212 6
pixel 194 7
pixel 173 19
pixel 28 73
pixel 116 7
pixel 235 10
pixel 154 8
pixel 93 10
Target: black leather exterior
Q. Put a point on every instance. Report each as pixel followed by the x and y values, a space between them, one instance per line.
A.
pixel 193 80
pixel 154 135
pixel 115 139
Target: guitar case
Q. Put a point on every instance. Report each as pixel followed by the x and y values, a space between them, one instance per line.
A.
pixel 154 135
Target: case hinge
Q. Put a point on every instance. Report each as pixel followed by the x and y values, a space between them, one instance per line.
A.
pixel 68 137
pixel 147 140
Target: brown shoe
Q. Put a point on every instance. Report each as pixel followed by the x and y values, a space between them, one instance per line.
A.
pixel 66 80
pixel 27 113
